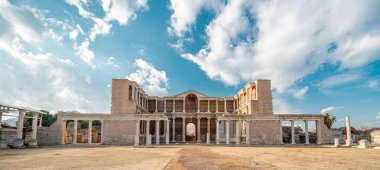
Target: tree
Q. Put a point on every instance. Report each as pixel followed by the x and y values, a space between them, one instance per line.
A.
pixel 329 120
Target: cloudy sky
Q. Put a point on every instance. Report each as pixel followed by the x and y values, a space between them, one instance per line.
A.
pixel 321 57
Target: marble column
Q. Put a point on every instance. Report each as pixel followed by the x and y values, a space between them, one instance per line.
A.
pixel 147 135
pixel 217 106
pixel 292 132
pixel 217 132
pixel 33 142
pixel 348 132
pixel 183 129
pixel 281 133
pixel 237 134
pixel 164 106
pixel 234 106
pixel 89 131
pixel 40 124
pixel 183 106
pixel 228 132
pixel 75 134
pixel 173 105
pixel 173 129
pixel 199 105
pixel 156 106
pixel 102 132
pixel 167 132
pixel 137 133
pixel 306 132
pixel 247 133
pixel 133 93
pixel 157 132
pixel 318 129
pixel 198 130
pixel 63 132
pixel 208 106
pixel 1 118
pixel 208 131
pixel 225 105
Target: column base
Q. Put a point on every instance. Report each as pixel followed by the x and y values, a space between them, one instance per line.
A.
pixel 307 143
pixel 208 139
pixel 18 143
pixel 349 142
pixel 137 141
pixel 33 144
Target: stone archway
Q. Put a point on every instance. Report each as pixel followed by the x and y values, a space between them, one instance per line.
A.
pixel 191 103
pixel 191 135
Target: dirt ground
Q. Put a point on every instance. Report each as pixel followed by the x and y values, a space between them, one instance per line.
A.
pixel 190 157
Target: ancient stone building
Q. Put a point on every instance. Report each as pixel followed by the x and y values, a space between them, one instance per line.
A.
pixel 137 118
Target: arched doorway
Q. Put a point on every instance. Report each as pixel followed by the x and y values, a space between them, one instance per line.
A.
pixel 190 132
pixel 191 103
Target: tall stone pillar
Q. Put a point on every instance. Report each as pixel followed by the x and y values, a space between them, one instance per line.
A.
pixel 33 142
pixel 173 105
pixel 199 105
pixel 217 106
pixel 133 93
pixel 1 118
pixel 63 132
pixel 208 106
pixel 225 105
pixel 208 131
pixel 157 132
pixel 228 132
pixel 75 134
pixel 198 130
pixel 281 133
pixel 247 133
pixel 173 129
pixel 217 132
pixel 137 135
pixel 40 124
pixel 156 106
pixel 234 108
pixel 89 131
pixel 292 131
pixel 164 105
pixel 318 129
pixel 102 131
pixel 306 132
pixel 148 137
pixel 183 129
pixel 238 132
pixel 183 106
pixel 167 131
pixel 348 132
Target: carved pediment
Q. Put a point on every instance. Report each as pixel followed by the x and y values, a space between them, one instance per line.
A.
pixel 184 94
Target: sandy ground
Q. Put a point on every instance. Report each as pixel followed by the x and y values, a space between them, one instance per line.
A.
pixel 190 157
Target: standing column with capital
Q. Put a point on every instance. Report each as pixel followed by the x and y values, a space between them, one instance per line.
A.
pixel 306 132
pixel 156 107
pixel 199 105
pixel 247 133
pixel 217 106
pixel 198 130
pixel 173 106
pixel 318 129
pixel 75 134
pixel 237 134
pixel 292 131
pixel 208 131
pixel 183 129
pixel 33 142
pixel 157 132
pixel 102 132
pixel 164 106
pixel 148 137
pixel 348 132
pixel 225 105
pixel 137 135
pixel 217 132
pixel 228 132
pixel 208 106
pixel 1 118
pixel 40 124
pixel 89 131
pixel 173 130
pixel 167 132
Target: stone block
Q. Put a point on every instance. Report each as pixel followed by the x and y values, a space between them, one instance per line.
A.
pixel 364 144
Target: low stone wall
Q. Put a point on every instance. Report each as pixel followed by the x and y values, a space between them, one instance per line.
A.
pixel 118 132
pixel 49 135
pixel 375 137
pixel 8 135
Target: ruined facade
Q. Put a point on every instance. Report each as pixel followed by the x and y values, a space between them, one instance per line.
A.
pixel 139 119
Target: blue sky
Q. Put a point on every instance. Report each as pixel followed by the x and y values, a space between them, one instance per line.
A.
pixel 62 55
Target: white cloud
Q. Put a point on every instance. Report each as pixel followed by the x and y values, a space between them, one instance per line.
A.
pixel 111 61
pixel 141 51
pixel 339 79
pixel 100 27
pixel 286 40
pixel 88 79
pixel 328 110
pixel 85 53
pixel 301 92
pixel 378 116
pixel 122 10
pixel 73 34
pixel 373 84
pixel 153 81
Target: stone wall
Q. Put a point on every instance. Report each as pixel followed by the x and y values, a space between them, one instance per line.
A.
pixel 375 137
pixel 118 132
pixel 8 135
pixel 265 132
pixel 121 104
pixel 49 135
pixel 264 97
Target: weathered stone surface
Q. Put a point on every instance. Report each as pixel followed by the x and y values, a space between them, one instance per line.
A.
pixel 265 132
pixel 364 144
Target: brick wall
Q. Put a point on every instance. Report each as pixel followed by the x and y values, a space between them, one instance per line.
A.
pixel 265 132
pixel 118 132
